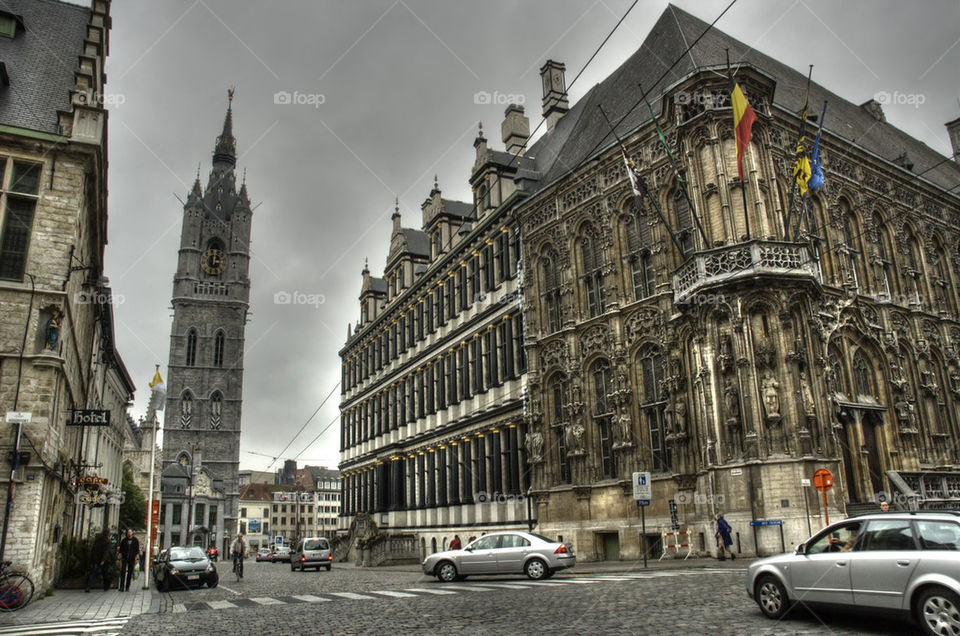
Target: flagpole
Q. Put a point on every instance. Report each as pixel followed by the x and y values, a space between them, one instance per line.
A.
pixel 155 397
pixel 803 127
pixel 681 182
pixel 653 201
pixel 743 183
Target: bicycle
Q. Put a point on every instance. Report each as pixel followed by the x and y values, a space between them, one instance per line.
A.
pixel 16 589
pixel 238 567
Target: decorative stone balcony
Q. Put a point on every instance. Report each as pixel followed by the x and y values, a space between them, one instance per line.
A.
pixel 717 267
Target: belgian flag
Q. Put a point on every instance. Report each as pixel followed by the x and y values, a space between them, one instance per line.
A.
pixel 743 118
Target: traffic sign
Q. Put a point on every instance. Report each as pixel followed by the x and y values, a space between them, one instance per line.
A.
pixel 823 480
pixel 19 417
pixel 642 488
pixel 767 522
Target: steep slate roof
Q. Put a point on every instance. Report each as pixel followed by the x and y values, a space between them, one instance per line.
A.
pixel 263 492
pixel 576 134
pixel 418 243
pixel 458 209
pixel 41 61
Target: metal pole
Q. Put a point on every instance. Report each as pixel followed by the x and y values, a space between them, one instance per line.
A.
pixel 826 513
pixel 530 509
pixel 806 507
pixel 148 559
pixel 643 533
pixel 14 465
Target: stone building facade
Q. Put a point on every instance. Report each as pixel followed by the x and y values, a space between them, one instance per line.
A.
pixel 211 295
pixel 735 362
pixel 433 372
pixel 53 202
pixel 689 333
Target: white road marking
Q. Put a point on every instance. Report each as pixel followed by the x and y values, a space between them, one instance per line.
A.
pixel 179 608
pixel 427 591
pixel 394 594
pixel 508 586
pixel 224 587
pixel 476 588
pixel 309 598
pixel 352 596
pixel 266 600
pixel 220 605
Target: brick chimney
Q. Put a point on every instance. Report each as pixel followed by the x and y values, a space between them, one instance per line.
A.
pixel 555 104
pixel 515 129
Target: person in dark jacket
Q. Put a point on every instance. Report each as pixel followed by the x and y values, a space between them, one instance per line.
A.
pixel 101 560
pixel 724 540
pixel 129 552
pixel 455 543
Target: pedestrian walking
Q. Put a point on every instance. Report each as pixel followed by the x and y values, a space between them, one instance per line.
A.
pixel 101 560
pixel 455 543
pixel 724 540
pixel 129 552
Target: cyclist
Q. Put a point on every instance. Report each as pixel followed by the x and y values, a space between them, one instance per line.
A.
pixel 238 550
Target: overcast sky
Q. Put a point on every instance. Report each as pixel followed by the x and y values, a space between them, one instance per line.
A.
pixel 387 99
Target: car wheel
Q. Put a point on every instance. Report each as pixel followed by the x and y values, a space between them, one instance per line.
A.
pixel 771 596
pixel 292 568
pixel 938 610
pixel 328 568
pixel 549 574
pixel 214 582
pixel 536 569
pixel 446 571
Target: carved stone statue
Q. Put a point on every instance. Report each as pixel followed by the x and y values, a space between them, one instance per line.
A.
pixel 52 330
pixel 621 431
pixel 534 444
pixel 771 396
pixel 806 396
pixel 573 436
pixel 731 400
pixel 955 380
pixel 680 417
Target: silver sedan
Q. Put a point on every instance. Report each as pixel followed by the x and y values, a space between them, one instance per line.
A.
pixel 502 553
pixel 906 562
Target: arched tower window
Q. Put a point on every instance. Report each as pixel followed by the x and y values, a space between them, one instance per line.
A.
pixel 218 343
pixel 885 252
pixel 603 415
pixel 191 357
pixel 216 410
pixel 684 224
pixel 851 241
pixel 592 271
pixel 559 396
pixel 186 409
pixel 550 273
pixel 652 407
pixel 836 371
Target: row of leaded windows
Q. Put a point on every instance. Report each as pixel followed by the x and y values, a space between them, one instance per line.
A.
pixel 214 410
pixel 495 356
pixel 480 273
pixel 19 189
pixel 190 355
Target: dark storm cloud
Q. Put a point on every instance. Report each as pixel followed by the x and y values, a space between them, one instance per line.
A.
pixel 341 106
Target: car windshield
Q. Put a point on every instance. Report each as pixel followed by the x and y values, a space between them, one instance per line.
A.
pixel 186 554
pixel 315 544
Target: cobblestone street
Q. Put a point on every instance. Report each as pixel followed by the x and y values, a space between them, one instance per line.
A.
pixel 273 600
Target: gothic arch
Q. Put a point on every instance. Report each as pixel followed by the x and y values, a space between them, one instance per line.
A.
pixel 219 346
pixel 186 408
pixel 190 357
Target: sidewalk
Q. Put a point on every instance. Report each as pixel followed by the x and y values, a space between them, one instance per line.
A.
pixel 66 605
pixel 587 568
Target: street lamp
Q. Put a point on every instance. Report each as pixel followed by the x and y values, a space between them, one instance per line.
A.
pixel 530 509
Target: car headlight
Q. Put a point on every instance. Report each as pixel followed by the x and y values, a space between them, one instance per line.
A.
pixel 210 568
pixel 174 571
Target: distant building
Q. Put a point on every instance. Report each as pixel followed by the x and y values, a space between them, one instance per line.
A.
pixel 256 502
pixel 256 477
pixel 56 335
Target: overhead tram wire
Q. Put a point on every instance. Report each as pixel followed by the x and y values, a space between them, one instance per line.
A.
pixel 309 419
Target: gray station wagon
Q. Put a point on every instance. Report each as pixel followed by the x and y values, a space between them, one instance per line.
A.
pixel 906 562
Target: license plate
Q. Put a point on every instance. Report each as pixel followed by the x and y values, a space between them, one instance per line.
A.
pixel 193 577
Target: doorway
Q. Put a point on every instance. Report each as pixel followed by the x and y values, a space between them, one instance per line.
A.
pixel 609 546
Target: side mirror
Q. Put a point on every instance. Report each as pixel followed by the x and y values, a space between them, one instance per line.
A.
pixel 801 549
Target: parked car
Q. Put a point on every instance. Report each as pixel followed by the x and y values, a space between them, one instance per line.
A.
pixel 213 553
pixel 905 562
pixel 186 566
pixel 502 553
pixel 264 554
pixel 311 552
pixel 280 553
pixel 156 563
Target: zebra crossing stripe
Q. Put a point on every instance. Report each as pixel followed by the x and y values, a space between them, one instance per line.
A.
pixel 508 586
pixel 221 605
pixel 310 598
pixel 101 626
pixel 474 588
pixel 351 595
pixel 426 591
pixel 266 600
pixel 394 594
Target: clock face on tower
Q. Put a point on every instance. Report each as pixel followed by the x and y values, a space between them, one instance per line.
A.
pixel 212 261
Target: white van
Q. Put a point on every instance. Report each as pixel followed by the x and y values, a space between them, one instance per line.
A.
pixel 311 552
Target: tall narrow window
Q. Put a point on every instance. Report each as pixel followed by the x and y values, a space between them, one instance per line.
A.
pixel 851 243
pixel 191 357
pixel 642 278
pixel 559 397
pixel 603 416
pixel 652 407
pixel 592 271
pixel 862 377
pixel 186 409
pixel 19 202
pixel 550 272
pixel 884 251
pixel 218 343
pixel 216 410
pixel 684 224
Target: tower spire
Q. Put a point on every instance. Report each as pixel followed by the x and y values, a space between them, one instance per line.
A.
pixel 225 152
